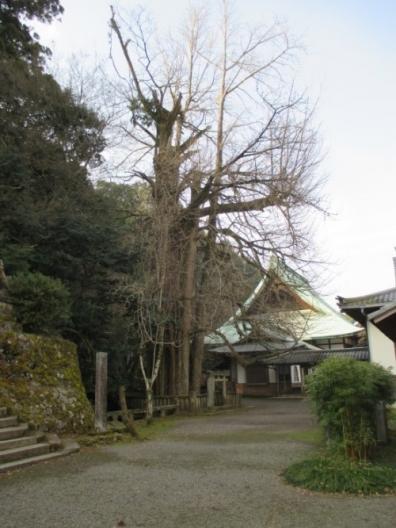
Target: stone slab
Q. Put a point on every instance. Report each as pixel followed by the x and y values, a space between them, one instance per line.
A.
pixel 13 432
pixel 9 455
pixel 19 464
pixel 8 421
pixel 18 442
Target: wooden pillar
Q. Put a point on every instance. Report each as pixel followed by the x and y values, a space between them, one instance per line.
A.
pixel 210 385
pixel 101 392
pixel 224 390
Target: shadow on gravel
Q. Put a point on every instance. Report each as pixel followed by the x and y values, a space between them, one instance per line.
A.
pixel 60 468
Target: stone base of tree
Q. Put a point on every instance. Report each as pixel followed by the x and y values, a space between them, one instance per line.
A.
pixel 40 382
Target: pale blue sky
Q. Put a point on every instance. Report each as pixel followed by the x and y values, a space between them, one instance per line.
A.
pixel 350 65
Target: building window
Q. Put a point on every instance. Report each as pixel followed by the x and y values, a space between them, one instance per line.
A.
pixel 295 372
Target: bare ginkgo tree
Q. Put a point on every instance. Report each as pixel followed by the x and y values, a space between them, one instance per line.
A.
pixel 214 126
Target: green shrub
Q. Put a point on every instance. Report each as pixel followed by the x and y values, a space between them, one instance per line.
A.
pixel 42 304
pixel 392 419
pixel 345 393
pixel 340 475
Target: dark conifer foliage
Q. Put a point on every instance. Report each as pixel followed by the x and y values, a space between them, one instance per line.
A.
pixel 16 37
pixel 52 219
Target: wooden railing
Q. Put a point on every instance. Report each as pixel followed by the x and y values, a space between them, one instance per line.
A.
pixel 188 404
pixel 168 404
pixel 158 402
pixel 233 400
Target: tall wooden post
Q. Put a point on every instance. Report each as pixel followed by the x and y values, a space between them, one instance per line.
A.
pixel 210 385
pixel 101 392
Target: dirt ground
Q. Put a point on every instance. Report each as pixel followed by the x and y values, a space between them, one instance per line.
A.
pixel 218 471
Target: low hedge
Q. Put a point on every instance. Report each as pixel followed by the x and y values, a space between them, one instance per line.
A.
pixel 336 474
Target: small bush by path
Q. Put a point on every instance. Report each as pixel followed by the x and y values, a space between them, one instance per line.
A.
pixel 345 394
pixel 336 474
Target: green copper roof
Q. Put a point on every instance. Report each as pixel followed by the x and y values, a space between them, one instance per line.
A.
pixel 319 321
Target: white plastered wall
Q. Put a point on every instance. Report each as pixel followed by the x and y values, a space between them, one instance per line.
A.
pixel 271 375
pixel 241 374
pixel 382 349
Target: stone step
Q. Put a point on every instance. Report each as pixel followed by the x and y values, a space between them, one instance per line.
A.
pixel 8 421
pixel 13 432
pixel 3 412
pixel 18 442
pixel 17 464
pixel 10 455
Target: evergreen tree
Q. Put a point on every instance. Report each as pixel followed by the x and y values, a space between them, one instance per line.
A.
pixel 16 37
pixel 52 219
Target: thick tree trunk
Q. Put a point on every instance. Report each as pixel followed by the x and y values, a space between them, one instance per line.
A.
pixel 198 349
pixel 188 310
pixel 170 270
pixel 172 370
pixel 198 345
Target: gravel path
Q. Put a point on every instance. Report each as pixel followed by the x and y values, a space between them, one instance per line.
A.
pixel 218 471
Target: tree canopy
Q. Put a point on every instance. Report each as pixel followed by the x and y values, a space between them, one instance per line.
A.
pixel 16 37
pixel 53 221
pixel 217 129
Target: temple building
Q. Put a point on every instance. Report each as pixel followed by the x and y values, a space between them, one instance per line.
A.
pixel 280 333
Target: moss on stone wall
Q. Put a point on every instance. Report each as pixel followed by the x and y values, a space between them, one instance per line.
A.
pixel 40 382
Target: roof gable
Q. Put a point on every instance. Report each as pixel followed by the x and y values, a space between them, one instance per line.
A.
pixel 311 318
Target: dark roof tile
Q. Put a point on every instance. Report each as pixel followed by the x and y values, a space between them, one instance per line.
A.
pixel 303 357
pixel 373 299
